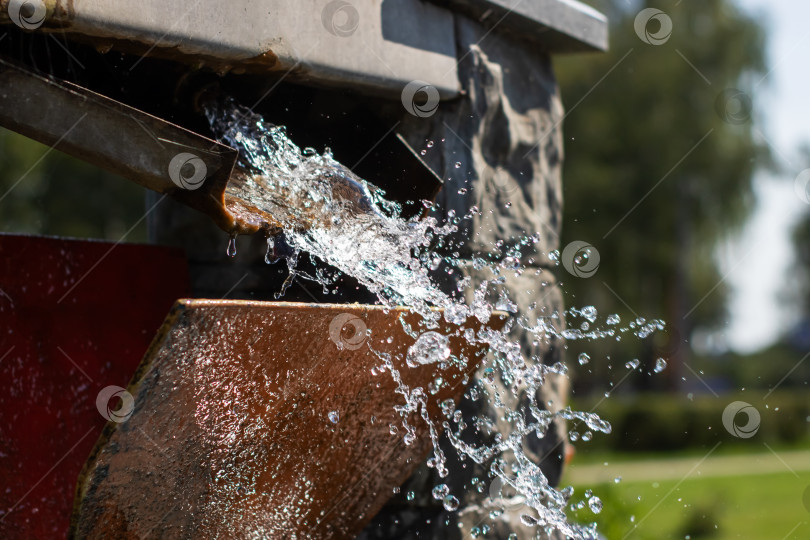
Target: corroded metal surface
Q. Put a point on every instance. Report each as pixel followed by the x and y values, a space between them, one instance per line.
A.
pixel 260 419
pixel 147 150
pixel 160 155
pixel 75 317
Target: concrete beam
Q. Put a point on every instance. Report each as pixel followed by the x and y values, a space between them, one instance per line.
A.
pixel 375 46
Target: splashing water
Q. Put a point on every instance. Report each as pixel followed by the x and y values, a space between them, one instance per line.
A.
pixel 328 212
pixel 337 218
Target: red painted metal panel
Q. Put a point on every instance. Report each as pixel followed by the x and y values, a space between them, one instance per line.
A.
pixel 75 317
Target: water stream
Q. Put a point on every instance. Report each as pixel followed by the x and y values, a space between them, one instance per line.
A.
pixel 346 225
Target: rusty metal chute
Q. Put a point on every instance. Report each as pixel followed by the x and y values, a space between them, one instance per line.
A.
pixel 265 419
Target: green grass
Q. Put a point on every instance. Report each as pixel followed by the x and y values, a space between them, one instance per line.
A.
pixel 739 507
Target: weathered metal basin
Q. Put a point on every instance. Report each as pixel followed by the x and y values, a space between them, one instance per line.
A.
pixel 262 419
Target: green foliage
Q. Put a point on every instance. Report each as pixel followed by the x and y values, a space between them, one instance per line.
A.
pixel 655 174
pixel 801 249
pixel 666 423
pixel 777 366
pixel 798 288
pixel 43 191
pixel 702 520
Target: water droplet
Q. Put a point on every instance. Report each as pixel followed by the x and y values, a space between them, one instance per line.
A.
pixel 456 313
pixel 632 364
pixel 450 503
pixel 617 480
pixel 595 504
pixel 584 359
pixel 589 312
pixel 429 348
pixel 660 365
pixel 613 319
pixel 528 520
pixel 489 375
pixel 435 386
pixel 334 417
pixel 430 144
pixel 231 250
pixel 410 495
pixel 440 491
pixel 270 256
pixel 469 335
pixel 458 165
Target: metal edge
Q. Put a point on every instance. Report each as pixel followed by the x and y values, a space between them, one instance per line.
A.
pixel 177 311
pixel 559 26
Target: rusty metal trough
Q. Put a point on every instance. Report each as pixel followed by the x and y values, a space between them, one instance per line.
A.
pixel 263 419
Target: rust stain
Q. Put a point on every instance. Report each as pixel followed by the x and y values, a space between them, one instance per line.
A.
pixel 231 434
pixel 61 13
pixel 263 63
pixel 269 60
pixel 61 17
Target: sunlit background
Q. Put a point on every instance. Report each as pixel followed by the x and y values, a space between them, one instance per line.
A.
pixel 681 165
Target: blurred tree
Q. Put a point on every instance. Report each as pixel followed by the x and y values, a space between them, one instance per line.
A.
pixel 43 191
pixel 660 155
pixel 800 278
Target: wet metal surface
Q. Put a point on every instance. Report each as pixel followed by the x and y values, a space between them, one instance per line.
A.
pixel 260 419
pixel 75 317
pixel 140 147
pixel 163 156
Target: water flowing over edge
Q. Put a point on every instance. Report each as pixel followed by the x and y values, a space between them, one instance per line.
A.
pixel 336 218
